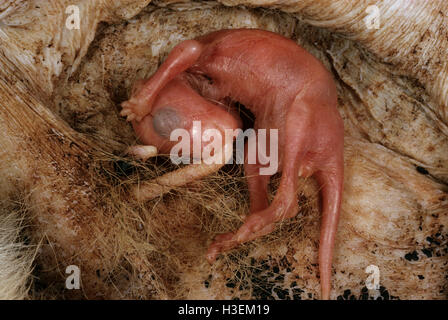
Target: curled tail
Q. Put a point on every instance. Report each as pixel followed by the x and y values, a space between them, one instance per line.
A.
pixel 331 186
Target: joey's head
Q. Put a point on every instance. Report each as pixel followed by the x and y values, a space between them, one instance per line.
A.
pixel 180 116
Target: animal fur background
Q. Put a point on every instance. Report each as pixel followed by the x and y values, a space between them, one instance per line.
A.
pixel 62 167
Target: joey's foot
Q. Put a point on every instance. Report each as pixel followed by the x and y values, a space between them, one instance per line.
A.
pixel 227 241
pixel 222 242
pixel 256 225
pixel 131 110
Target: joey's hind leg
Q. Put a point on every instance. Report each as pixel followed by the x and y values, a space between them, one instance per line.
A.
pixel 297 134
pixel 315 147
pixel 258 195
pixel 261 222
pixel 257 186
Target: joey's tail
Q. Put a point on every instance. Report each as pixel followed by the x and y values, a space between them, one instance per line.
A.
pixel 331 188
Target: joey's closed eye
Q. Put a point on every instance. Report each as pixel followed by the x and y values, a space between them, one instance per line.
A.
pixel 165 120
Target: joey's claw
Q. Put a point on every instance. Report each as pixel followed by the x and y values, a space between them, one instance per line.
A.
pixel 130 111
pixel 126 110
pixel 130 117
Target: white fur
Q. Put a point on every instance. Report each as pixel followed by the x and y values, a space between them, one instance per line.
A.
pixel 15 259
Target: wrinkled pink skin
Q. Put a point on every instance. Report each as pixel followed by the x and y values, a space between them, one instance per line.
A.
pixel 285 87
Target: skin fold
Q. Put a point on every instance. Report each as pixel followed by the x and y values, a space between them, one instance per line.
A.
pixel 285 87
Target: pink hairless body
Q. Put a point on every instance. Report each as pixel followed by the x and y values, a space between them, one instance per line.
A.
pixel 286 88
